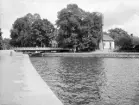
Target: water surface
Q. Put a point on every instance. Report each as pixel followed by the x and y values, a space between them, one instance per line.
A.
pixel 91 81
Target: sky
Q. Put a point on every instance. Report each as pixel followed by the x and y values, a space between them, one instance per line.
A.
pixel 117 13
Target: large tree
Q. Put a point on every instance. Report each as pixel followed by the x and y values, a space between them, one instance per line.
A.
pixel 41 32
pixel 91 28
pixel 121 37
pixel 78 29
pixel 31 31
pixel 20 31
pixel 68 24
pixel 135 40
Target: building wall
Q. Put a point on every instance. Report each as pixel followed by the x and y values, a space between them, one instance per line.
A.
pixel 113 45
pixel 101 45
pixel 108 44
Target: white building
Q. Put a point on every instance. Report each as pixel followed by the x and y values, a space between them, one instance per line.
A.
pixel 107 43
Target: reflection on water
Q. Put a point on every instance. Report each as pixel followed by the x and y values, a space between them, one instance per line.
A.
pixel 91 81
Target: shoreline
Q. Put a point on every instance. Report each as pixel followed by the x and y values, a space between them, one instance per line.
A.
pixel 91 54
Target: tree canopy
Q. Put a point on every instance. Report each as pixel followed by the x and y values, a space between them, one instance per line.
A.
pixel 1 40
pixel 76 29
pixel 79 29
pixel 135 40
pixel 122 39
pixel 31 31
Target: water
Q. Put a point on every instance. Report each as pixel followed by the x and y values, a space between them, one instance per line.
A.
pixel 91 81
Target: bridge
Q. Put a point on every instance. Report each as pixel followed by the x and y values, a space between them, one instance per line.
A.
pixel 40 49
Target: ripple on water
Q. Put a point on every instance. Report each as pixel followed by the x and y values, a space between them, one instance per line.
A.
pixel 91 81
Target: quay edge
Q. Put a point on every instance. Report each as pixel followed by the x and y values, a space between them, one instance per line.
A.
pixel 20 84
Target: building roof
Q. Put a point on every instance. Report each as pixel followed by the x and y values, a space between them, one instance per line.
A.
pixel 107 38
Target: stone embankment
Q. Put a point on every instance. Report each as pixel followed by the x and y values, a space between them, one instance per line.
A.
pixel 94 54
pixel 20 84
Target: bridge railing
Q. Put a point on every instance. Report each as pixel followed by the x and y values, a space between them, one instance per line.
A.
pixel 35 48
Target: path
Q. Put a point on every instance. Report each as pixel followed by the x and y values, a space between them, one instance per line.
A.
pixel 20 84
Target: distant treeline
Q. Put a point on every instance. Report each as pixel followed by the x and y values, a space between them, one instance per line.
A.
pixel 123 40
pixel 74 28
pixel 1 43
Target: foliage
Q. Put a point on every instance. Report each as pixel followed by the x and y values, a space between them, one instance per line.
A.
pixel 41 32
pixel 78 29
pixel 122 38
pixel 31 31
pixel 1 42
pixel 21 29
pixel 135 40
pixel 125 42
pixel 6 43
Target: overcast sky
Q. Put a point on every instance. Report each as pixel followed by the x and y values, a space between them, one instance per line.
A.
pixel 117 13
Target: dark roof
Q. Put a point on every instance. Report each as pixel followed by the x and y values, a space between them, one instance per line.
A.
pixel 107 38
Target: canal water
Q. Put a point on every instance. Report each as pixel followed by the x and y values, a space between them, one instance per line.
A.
pixel 91 81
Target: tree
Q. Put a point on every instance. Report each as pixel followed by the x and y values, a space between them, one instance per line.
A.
pixel 121 37
pixel 1 42
pixel 92 27
pixel 78 29
pixel 41 32
pixel 135 40
pixel 19 32
pixel 6 43
pixel 31 31
pixel 68 23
